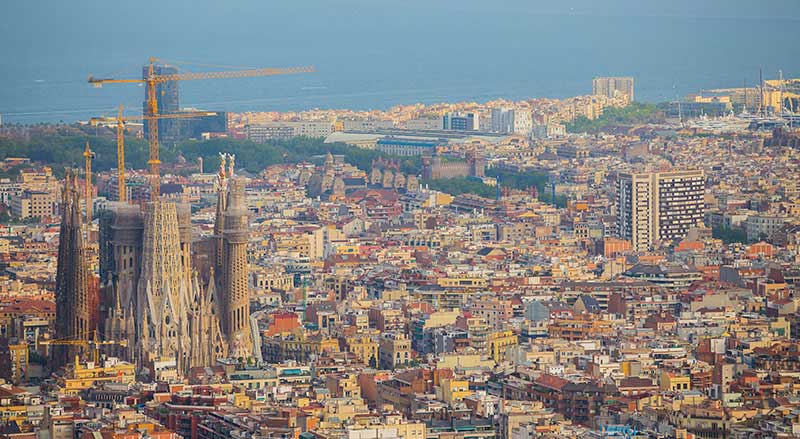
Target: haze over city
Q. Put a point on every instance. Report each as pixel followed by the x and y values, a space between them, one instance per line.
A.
pixel 375 55
pixel 400 220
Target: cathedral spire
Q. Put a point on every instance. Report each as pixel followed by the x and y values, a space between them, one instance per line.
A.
pixel 235 271
pixel 221 173
pixel 72 274
pixel 163 288
pixel 219 221
pixel 231 164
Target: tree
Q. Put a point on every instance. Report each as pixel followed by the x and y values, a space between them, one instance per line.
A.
pixel 729 236
pixel 60 146
pixel 527 180
pixel 634 113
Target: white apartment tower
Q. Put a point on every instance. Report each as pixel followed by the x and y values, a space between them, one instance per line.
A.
pixel 612 87
pixel 659 206
pixel 508 120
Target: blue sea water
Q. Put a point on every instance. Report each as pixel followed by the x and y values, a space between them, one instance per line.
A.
pixel 378 53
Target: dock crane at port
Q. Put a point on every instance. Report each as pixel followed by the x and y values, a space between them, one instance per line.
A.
pixel 93 343
pixel 119 122
pixel 151 80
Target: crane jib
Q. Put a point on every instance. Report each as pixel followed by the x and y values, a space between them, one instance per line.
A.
pixel 151 111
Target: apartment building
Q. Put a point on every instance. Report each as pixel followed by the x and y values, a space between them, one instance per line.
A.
pixel 34 204
pixel 659 206
pixel 285 130
pixel 612 87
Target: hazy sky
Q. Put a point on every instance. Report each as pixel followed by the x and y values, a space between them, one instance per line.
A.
pixel 373 52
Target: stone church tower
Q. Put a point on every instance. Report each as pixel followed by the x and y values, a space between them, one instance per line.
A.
pixel 72 273
pixel 235 271
pixel 156 300
pixel 162 309
pixel 219 221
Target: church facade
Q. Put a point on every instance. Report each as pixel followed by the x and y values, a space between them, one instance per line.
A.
pixel 156 299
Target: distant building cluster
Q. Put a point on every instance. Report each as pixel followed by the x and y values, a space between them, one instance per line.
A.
pixel 536 118
pixel 643 282
pixel 33 194
pixel 613 87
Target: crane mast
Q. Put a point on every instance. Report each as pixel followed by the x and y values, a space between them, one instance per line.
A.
pixel 119 122
pixel 122 190
pixel 151 107
pixel 152 133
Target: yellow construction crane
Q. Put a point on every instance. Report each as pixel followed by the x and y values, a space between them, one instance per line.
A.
pixel 151 80
pixel 85 344
pixel 119 121
pixel 88 156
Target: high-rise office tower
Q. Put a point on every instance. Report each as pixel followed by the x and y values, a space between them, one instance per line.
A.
pixel 72 273
pixel 169 130
pixel 461 122
pixel 659 206
pixel 611 87
pixel 502 120
pixel 511 120
pixel 235 283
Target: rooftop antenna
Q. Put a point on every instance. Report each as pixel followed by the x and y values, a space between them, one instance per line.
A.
pixel 789 112
pixel 678 101
pixel 744 88
pixel 780 94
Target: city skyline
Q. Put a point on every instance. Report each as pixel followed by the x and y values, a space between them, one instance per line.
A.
pixel 600 46
pixel 415 220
